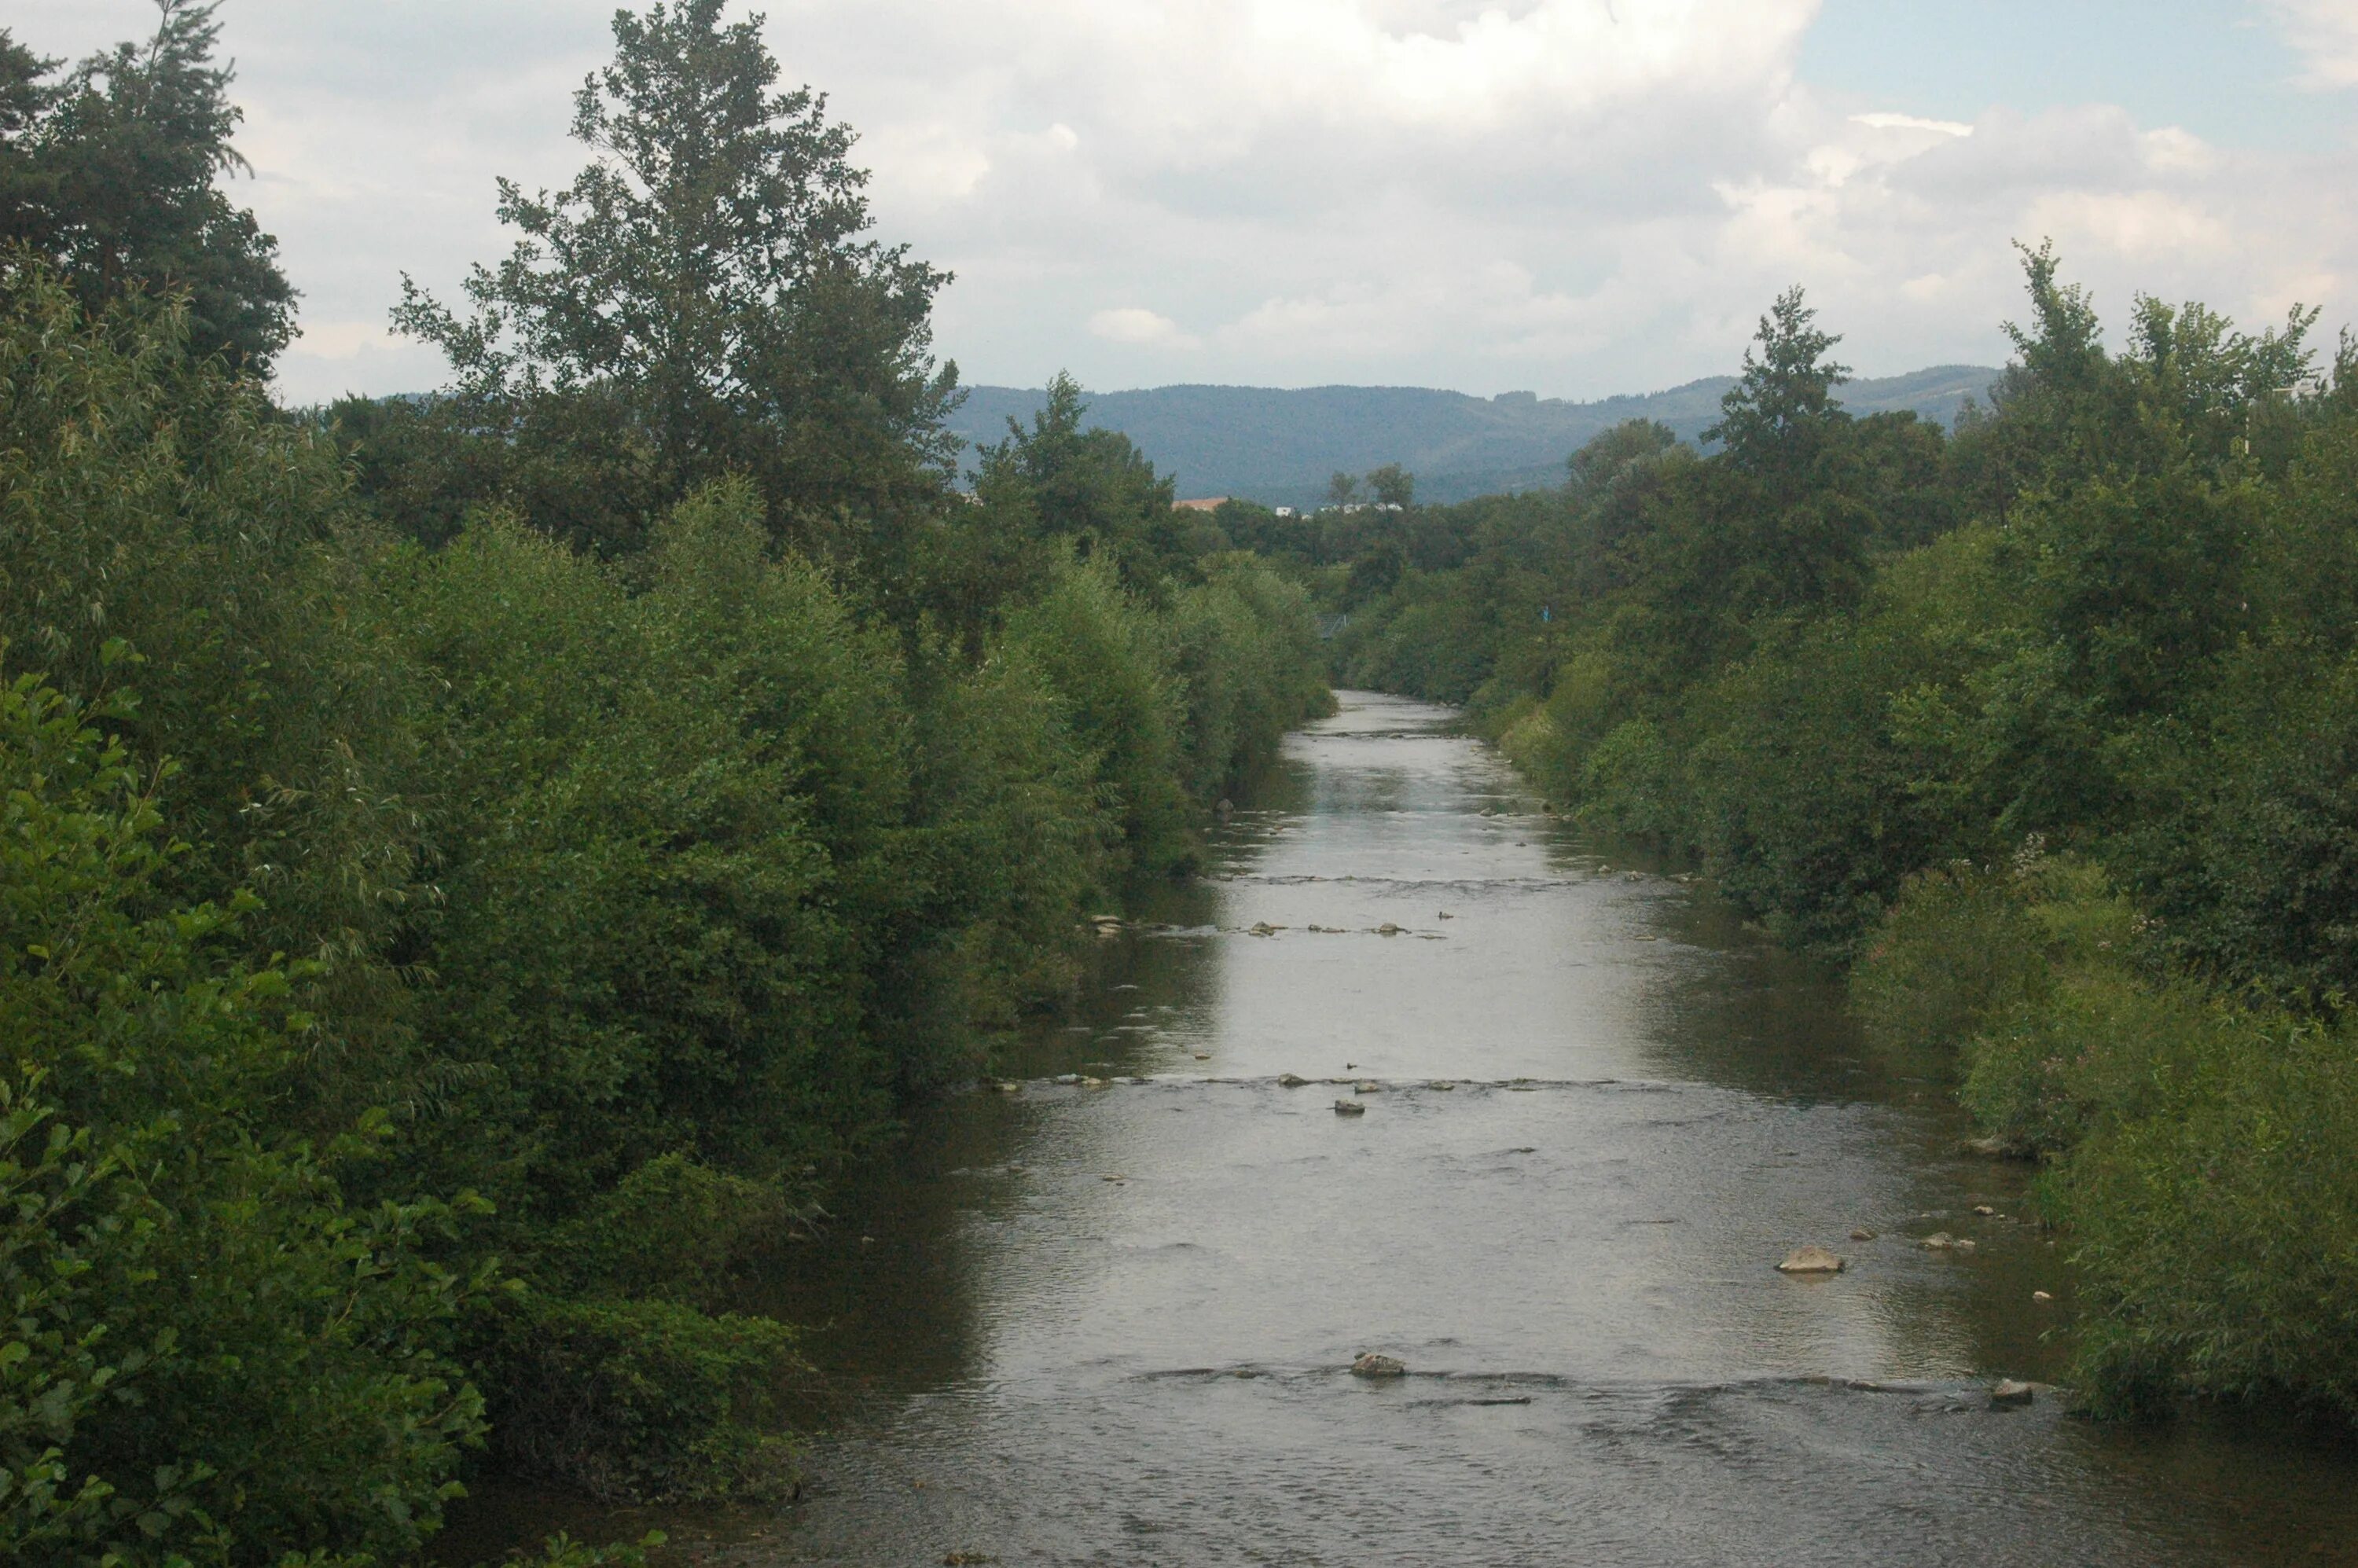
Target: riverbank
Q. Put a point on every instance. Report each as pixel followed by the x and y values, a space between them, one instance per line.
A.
pixel 1140 1298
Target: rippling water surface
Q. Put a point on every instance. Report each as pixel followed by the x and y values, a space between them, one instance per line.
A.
pixel 1110 1323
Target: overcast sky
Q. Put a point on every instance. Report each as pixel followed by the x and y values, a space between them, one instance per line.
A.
pixel 1575 197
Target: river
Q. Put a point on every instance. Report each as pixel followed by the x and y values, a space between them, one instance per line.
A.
pixel 1111 1322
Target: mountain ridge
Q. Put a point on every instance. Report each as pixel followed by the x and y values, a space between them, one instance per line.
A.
pixel 1278 446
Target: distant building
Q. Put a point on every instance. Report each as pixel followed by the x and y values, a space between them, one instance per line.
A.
pixel 1286 512
pixel 1208 504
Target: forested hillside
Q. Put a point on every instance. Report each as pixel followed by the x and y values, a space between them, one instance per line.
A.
pixel 2043 723
pixel 474 868
pixel 1279 448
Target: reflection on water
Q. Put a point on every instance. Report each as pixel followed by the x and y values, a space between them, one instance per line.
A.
pixel 1109 1320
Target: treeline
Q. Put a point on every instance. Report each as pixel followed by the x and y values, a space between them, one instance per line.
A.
pixel 2045 723
pixel 472 867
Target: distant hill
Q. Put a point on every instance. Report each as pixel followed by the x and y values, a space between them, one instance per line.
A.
pixel 1280 446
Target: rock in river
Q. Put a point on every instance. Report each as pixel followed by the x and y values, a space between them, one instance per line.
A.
pixel 1374 1366
pixel 1349 1107
pixel 1291 1080
pixel 2009 1393
pixel 1810 1260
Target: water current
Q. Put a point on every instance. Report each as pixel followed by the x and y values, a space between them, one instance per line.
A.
pixel 1108 1319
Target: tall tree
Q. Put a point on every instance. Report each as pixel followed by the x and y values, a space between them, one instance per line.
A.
pixel 1775 421
pixel 1392 485
pixel 114 175
pixel 703 299
pixel 1093 488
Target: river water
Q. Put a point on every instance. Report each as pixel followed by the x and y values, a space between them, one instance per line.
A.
pixel 1088 1323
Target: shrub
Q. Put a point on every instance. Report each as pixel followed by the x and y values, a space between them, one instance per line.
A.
pixel 1122 703
pixel 207 1352
pixel 2215 1223
pixel 671 1230
pixel 1246 647
pixel 637 1402
pixel 1016 835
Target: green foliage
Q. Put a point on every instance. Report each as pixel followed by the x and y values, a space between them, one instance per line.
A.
pixel 1017 835
pixel 702 301
pixel 1246 645
pixel 2212 1222
pixel 637 1402
pixel 1122 701
pixel 625 894
pixel 671 1230
pixel 711 771
pixel 163 530
pixel 208 1348
pixel 1091 491
pixel 110 174
pixel 2202 1149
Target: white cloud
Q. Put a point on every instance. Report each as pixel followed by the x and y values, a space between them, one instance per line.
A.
pixel 1132 325
pixel 1881 120
pixel 2327 32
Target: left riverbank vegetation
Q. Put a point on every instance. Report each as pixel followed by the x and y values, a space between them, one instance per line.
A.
pixel 476 865
pixel 2044 724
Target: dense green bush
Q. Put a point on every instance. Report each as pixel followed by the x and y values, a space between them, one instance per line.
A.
pixel 2201 1151
pixel 1122 700
pixel 2213 1220
pixel 637 1400
pixel 163 529
pixel 669 774
pixel 1246 646
pixel 208 1354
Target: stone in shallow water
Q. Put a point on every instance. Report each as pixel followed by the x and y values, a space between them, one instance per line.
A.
pixel 1374 1366
pixel 2009 1393
pixel 1291 1080
pixel 1810 1261
pixel 1349 1107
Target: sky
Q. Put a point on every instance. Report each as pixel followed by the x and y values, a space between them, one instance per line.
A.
pixel 1577 198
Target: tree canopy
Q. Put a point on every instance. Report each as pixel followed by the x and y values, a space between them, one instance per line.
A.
pixel 704 299
pixel 112 172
